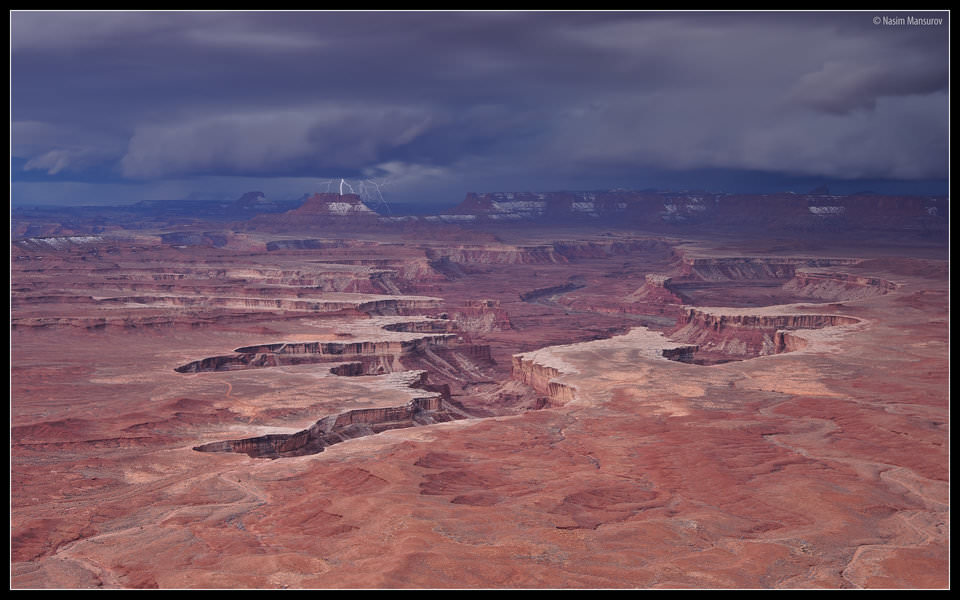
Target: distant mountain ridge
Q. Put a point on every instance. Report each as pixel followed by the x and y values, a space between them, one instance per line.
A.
pixel 812 211
pixel 651 210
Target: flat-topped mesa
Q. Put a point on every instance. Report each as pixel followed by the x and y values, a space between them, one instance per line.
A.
pixel 494 255
pixel 742 268
pixel 382 418
pixel 718 322
pixel 430 408
pixel 657 279
pixel 319 211
pixel 479 316
pixel 210 311
pixel 380 306
pixel 350 348
pixel 544 369
pixel 299 353
pixel 785 280
pixel 738 333
pixel 424 326
pixel 533 295
pixel 334 205
pixel 837 286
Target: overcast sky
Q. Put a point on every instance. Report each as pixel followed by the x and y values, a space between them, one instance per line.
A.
pixel 117 107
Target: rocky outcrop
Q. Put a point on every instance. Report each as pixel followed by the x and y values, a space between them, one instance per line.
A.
pixel 479 316
pixel 285 354
pixel 333 430
pixel 349 348
pixel 319 211
pixel 495 255
pixel 743 268
pixel 784 280
pixel 435 407
pixel 442 325
pixel 160 321
pixel 544 379
pixel 739 334
pixel 785 341
pixel 554 290
pixel 335 206
pixel 537 375
pixel 381 306
pixel 837 286
pixel 713 321
pixel 656 290
pixel 57 242
pixel 681 353
pixel 545 370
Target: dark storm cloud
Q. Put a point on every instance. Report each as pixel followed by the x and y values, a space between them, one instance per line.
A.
pixel 841 87
pixel 272 141
pixel 440 97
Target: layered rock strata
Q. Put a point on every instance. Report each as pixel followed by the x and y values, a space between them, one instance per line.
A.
pixel 544 370
pixel 436 407
pixel 495 255
pixel 745 333
pixel 740 268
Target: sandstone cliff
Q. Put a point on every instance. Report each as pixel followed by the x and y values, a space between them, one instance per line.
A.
pixel 545 370
pixel 747 333
pixel 433 407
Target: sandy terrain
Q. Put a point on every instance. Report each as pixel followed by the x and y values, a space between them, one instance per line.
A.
pixel 609 431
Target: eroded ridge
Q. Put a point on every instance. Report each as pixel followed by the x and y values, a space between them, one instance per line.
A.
pixel 145 282
pixel 544 369
pixel 299 353
pixel 759 281
pixel 724 334
pixel 436 407
pixel 703 336
pixel 441 354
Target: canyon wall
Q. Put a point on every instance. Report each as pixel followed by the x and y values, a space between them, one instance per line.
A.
pixel 743 334
pixel 285 353
pixel 544 370
pixel 741 268
pixel 422 410
pixel 496 255
pixel 837 286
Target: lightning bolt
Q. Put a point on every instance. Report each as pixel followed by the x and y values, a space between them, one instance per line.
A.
pixel 382 201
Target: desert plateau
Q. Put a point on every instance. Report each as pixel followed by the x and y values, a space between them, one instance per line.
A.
pixel 419 404
pixel 479 300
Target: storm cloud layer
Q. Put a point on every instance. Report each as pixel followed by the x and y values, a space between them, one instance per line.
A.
pixel 442 103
